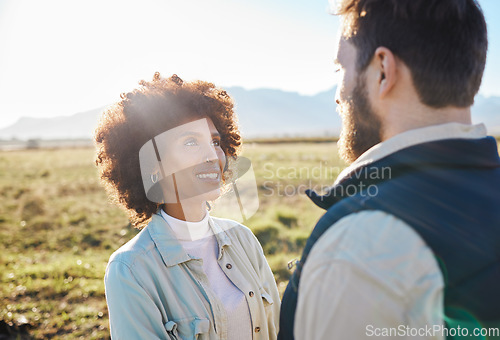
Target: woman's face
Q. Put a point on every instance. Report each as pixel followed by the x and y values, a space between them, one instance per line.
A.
pixel 192 160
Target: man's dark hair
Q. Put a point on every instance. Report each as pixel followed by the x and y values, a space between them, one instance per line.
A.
pixel 443 42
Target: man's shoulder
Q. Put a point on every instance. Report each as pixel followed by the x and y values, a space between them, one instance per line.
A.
pixel 377 243
pixel 369 231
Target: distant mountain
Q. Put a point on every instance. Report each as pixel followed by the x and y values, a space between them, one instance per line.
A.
pixel 79 125
pixel 265 112
pixel 261 112
pixel 487 110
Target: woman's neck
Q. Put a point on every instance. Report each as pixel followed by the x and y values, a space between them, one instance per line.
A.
pixel 186 212
pixel 187 230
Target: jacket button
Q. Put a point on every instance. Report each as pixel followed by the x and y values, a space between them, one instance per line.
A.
pixel 229 266
pixel 251 294
pixel 257 329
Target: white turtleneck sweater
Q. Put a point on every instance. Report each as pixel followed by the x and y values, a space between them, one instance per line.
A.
pixel 199 241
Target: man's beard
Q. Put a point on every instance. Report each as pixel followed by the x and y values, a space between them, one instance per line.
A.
pixel 361 128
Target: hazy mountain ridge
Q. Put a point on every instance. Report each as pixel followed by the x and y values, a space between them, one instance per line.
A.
pixel 261 112
pixel 487 110
pixel 76 126
pixel 265 113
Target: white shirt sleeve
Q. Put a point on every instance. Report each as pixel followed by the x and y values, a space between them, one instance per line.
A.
pixel 370 276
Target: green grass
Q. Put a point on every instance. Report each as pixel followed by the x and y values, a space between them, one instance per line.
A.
pixel 58 229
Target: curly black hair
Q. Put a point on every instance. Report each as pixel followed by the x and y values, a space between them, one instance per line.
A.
pixel 152 108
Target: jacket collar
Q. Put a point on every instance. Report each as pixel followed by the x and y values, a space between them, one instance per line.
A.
pixel 442 154
pixel 432 133
pixel 170 249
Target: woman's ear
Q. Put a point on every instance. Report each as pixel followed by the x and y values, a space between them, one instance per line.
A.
pixel 386 65
pixel 156 173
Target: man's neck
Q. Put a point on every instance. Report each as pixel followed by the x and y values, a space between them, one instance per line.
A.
pixel 422 116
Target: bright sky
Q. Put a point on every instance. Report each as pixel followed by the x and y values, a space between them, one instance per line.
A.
pixel 60 57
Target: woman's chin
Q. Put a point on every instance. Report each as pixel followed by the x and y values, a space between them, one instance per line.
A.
pixel 213 194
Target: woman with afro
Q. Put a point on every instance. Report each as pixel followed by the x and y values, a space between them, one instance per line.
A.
pixel 163 153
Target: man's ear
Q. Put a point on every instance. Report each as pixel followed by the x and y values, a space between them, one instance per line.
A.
pixel 385 64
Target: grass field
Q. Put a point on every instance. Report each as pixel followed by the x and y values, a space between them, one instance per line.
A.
pixel 58 229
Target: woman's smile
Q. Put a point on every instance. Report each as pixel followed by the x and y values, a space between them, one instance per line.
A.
pixel 213 176
pixel 209 175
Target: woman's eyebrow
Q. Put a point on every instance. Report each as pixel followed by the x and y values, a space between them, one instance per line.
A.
pixel 197 134
pixel 189 133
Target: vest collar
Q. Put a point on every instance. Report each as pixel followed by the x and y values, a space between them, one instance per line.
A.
pixel 414 137
pixel 449 153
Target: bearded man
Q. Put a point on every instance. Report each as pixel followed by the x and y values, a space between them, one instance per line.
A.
pixel 413 252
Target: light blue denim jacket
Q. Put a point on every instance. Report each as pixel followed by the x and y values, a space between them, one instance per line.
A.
pixel 155 290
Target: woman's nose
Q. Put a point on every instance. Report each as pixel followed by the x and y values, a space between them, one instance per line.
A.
pixel 210 154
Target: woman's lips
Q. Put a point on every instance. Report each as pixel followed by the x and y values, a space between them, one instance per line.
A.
pixel 209 175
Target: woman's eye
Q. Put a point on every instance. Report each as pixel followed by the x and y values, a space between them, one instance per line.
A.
pixel 190 142
pixel 216 142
